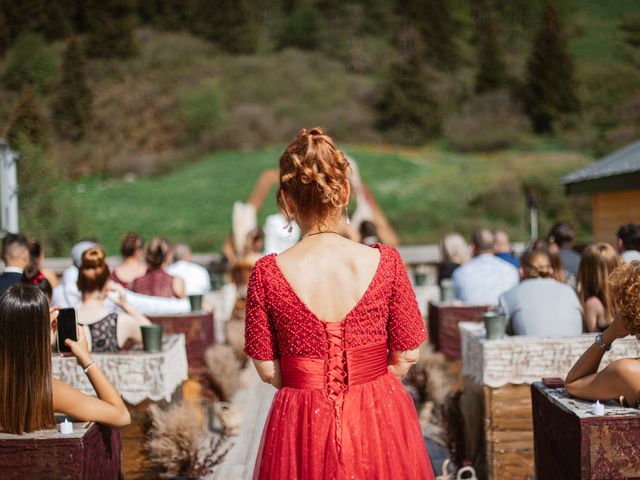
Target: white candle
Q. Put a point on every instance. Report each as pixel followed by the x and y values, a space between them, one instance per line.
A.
pixel 66 427
pixel 598 408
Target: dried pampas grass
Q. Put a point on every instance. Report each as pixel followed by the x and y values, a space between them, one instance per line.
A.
pixel 235 338
pixel 178 444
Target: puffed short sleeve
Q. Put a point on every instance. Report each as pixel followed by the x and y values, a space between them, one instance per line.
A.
pixel 260 341
pixel 405 327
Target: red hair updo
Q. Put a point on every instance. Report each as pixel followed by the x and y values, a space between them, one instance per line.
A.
pixel 313 173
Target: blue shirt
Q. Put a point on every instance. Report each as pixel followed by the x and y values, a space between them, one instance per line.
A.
pixel 508 257
pixel 483 279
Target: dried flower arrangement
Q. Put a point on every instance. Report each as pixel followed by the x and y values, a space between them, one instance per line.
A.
pixel 179 445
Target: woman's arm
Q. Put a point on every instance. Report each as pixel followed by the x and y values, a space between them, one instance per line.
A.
pixel 120 299
pixel 269 371
pixel 584 380
pixel 401 362
pixel 179 287
pixel 108 408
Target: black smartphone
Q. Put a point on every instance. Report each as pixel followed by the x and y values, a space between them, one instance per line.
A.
pixel 67 328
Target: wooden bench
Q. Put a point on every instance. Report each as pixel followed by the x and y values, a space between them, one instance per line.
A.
pixel 496 399
pixel 571 443
pixel 91 452
pixel 199 334
pixel 443 322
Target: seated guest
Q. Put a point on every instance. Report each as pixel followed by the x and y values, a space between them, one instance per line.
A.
pixel 564 236
pixel 66 294
pixel 196 277
pixel 597 263
pixel 502 248
pixel 369 233
pixel 554 255
pixel 33 276
pixel 106 331
pixel 132 266
pixel 156 281
pixel 15 254
pixel 620 380
pixel 454 251
pixel 280 233
pixel 484 278
pixel 28 393
pixel 36 258
pixel 629 242
pixel 539 305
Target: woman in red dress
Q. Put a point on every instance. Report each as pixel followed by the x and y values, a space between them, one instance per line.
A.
pixel 333 325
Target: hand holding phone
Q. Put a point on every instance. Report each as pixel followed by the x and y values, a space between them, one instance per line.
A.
pixel 67 328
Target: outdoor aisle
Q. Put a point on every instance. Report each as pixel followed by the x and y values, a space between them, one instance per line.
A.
pixel 255 401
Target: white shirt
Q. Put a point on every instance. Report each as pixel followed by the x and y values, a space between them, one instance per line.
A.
pixel 276 234
pixel 630 255
pixel 196 278
pixel 13 270
pixel 483 279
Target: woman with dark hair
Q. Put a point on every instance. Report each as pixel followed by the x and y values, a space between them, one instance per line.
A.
pixel 36 260
pixel 156 281
pixel 106 331
pixel 32 276
pixel 334 325
pixel 132 266
pixel 597 263
pixel 28 394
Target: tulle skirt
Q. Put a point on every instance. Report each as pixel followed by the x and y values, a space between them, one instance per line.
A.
pixel 377 436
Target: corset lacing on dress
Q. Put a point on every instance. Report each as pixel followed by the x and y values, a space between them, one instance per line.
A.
pixel 336 374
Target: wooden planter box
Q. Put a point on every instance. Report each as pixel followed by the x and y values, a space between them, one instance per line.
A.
pixel 199 335
pixel 572 444
pixel 443 325
pixel 91 452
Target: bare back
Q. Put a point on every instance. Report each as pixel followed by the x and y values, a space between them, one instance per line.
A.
pixel 329 273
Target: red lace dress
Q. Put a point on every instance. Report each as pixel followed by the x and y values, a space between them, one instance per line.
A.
pixel 340 413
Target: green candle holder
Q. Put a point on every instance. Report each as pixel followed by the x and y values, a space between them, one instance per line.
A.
pixel 196 302
pixel 152 337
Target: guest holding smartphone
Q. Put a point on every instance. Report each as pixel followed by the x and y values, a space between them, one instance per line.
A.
pixel 28 394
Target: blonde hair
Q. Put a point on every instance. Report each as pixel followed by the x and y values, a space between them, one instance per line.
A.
pixel 596 265
pixel 625 292
pixel 313 173
pixel 454 248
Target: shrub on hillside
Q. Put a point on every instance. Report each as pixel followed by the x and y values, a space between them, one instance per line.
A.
pixel 30 62
pixel 72 107
pixel 28 123
pixel 203 107
pixel 490 121
pixel 110 28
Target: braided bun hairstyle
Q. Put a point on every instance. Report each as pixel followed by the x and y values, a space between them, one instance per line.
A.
pixel 157 252
pixel 313 173
pixel 537 264
pixel 94 271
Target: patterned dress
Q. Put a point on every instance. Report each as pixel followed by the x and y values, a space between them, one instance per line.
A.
pixel 340 413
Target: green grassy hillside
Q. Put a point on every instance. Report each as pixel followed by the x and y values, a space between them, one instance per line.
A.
pixel 424 192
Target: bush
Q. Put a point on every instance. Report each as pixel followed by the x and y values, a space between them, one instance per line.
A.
pixel 28 123
pixel 203 107
pixel 490 121
pixel 31 62
pixel 46 213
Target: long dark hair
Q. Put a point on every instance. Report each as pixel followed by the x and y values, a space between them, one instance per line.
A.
pixel 26 401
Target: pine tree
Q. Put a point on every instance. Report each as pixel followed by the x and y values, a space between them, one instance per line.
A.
pixel 72 107
pixel 550 84
pixel 231 24
pixel 110 28
pixel 4 35
pixel 58 24
pixel 408 110
pixel 491 73
pixel 438 28
pixel 301 27
pixel 28 124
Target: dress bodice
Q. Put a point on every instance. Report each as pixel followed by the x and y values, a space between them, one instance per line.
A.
pixel 278 323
